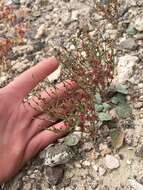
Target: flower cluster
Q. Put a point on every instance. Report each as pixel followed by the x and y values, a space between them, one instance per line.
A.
pixel 90 64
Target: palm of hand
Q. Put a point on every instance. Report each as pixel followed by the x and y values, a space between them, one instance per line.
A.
pixel 21 136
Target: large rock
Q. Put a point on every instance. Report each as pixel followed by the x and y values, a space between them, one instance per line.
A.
pixel 57 154
pixel 129 44
pixel 125 68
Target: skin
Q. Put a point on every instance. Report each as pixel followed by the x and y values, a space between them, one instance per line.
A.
pixel 22 133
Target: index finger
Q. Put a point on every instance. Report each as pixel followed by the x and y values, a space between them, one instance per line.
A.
pixel 24 83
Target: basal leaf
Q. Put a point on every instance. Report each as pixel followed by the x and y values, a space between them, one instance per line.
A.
pixel 104 116
pixel 98 98
pixel 123 111
pixel 98 107
pixel 72 139
pixel 106 106
pixel 119 98
pixel 115 100
pixel 121 89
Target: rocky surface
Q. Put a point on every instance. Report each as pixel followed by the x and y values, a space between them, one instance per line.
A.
pixel 85 167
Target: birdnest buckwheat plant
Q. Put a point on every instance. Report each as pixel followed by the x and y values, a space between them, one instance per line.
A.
pixel 90 65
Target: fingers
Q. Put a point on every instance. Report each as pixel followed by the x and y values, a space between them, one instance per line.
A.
pixel 44 138
pixel 24 83
pixel 39 123
pixel 45 120
pixel 51 96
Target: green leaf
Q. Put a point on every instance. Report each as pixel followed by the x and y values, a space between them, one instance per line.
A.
pixel 123 110
pixel 119 98
pixel 131 31
pixel 117 136
pixel 115 100
pixel 72 139
pixel 98 107
pixel 17 2
pixel 82 108
pixel 104 116
pixel 106 106
pixel 121 89
pixel 98 98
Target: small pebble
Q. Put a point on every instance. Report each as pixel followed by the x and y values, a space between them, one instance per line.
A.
pixel 139 151
pixel 129 44
pixel 141 98
pixel 77 165
pixel 129 162
pixel 40 32
pixel 95 167
pixel 139 23
pixel 111 162
pixel 54 175
pixel 101 171
pixel 87 146
pixel 86 163
pixel 138 105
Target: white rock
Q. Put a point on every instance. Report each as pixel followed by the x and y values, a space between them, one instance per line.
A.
pixel 74 15
pixel 111 33
pixel 83 53
pixel 111 162
pixel 125 68
pixel 72 47
pixel 95 167
pixel 129 3
pixel 86 163
pixel 57 154
pixel 65 16
pixel 68 188
pixel 87 146
pixel 140 85
pixel 138 105
pixel 129 162
pixel 135 185
pixel 101 171
pixel 55 75
pixel 77 165
pixel 8 2
pixel 139 23
pixel 102 146
pixel 41 30
pixel 141 98
pixel 3 78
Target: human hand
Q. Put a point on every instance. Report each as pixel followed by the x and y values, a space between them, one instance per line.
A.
pixel 21 136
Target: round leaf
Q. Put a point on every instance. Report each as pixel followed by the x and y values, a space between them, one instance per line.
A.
pixel 104 116
pixel 72 139
pixel 124 111
pixel 98 107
